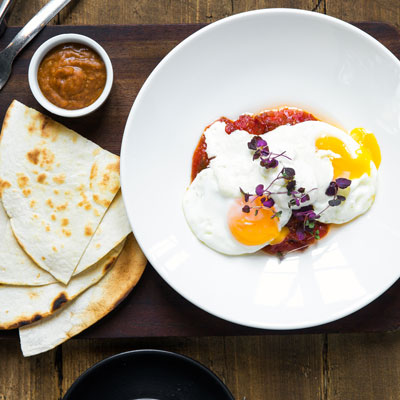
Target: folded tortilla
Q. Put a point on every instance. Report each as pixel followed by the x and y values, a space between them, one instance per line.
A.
pixel 22 305
pixel 89 307
pixel 17 268
pixel 56 186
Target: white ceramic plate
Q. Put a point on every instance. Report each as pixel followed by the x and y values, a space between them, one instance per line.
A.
pixel 246 63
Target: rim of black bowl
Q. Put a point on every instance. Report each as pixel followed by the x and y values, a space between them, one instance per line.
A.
pixel 144 352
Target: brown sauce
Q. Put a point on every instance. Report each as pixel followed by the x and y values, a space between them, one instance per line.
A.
pixel 72 76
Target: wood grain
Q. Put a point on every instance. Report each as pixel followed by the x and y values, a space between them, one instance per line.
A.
pixel 323 367
pixel 83 12
pixel 363 367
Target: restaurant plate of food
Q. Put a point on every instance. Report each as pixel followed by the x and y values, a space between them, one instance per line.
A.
pixel 258 168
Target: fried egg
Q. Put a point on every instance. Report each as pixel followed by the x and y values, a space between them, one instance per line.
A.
pixel 318 152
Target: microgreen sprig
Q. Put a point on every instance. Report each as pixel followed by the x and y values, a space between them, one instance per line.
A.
pixel 261 151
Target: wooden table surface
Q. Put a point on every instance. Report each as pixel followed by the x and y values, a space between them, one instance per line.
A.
pixel 287 367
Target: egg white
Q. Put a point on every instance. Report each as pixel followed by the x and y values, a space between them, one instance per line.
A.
pixel 208 199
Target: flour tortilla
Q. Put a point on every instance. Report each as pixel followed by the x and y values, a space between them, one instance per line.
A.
pixel 21 305
pixel 89 307
pixel 17 268
pixel 56 187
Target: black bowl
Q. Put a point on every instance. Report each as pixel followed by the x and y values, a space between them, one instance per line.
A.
pixel 148 375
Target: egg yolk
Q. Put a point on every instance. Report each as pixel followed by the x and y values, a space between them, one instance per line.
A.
pixel 345 166
pixel 251 229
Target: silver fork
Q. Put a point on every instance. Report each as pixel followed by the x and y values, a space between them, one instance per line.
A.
pixel 26 34
pixel 4 8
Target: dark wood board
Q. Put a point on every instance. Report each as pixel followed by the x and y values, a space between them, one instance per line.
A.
pixel 153 308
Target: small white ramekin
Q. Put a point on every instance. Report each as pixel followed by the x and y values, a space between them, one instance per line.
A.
pixel 41 53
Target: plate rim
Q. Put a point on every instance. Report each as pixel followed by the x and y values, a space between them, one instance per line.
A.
pixel 346 311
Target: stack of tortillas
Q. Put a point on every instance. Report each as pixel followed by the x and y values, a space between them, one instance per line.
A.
pixel 66 253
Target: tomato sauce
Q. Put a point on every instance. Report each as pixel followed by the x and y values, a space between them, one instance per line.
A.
pixel 292 242
pixel 72 76
pixel 258 124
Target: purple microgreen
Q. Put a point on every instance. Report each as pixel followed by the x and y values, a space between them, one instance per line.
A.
pixel 334 202
pixel 288 173
pixel 290 187
pixel 301 190
pixel 341 198
pixel 305 198
pixel 245 195
pixel 332 189
pixel 260 190
pixel 252 145
pixel 260 142
pixel 301 235
pixel 272 163
pixel 268 203
pixel 343 183
pixel 246 209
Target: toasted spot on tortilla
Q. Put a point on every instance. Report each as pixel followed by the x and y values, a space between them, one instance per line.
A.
pixel 56 191
pixel 41 178
pixel 93 171
pixel 23 322
pixel 113 167
pixel 60 179
pixel 59 301
pixel 109 264
pixel 101 202
pixel 98 245
pixel 88 230
pixel 54 249
pixel 85 202
pixel 33 156
pixel 32 203
pixel 43 258
pixel 47 228
pixel 66 232
pixel 4 185
pixel 62 207
pixel 64 222
pixel 53 217
pixel 49 202
pixel 22 180
pixel 35 216
pixel 96 212
pixel 44 157
pixel 26 192
pixel 47 158
pixel 96 151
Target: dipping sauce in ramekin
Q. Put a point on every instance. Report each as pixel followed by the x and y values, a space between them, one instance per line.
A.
pixel 72 76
